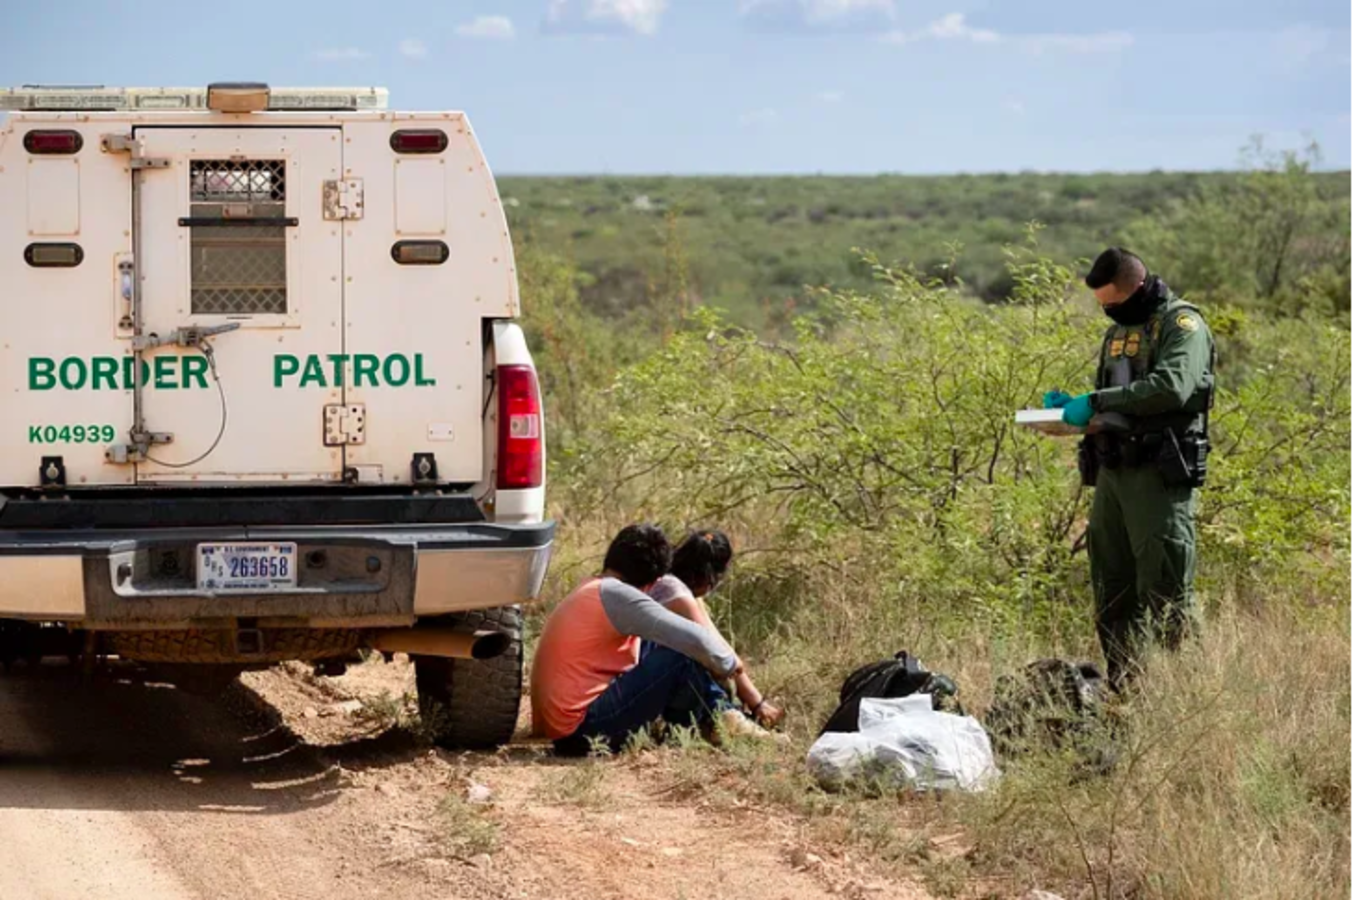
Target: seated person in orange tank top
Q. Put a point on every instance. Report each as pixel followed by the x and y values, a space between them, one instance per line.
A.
pixel 611 660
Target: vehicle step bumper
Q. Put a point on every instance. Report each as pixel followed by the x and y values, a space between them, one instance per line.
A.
pixel 365 576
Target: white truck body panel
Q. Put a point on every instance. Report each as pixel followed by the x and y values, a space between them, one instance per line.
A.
pixel 435 312
pixel 419 329
pixel 60 313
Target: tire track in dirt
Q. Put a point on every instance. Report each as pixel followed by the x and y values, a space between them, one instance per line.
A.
pixel 118 788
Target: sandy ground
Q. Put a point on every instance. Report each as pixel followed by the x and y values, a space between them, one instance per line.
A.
pixel 119 788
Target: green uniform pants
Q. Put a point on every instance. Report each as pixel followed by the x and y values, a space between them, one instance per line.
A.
pixel 1142 548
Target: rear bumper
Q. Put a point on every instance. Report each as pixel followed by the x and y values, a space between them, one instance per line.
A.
pixel 352 576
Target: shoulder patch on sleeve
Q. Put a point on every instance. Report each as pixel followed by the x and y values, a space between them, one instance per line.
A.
pixel 1187 322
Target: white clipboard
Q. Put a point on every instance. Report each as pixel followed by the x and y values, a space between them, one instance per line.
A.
pixel 1048 421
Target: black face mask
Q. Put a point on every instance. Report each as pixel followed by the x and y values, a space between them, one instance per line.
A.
pixel 1135 310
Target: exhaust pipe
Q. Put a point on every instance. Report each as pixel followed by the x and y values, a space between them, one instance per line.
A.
pixel 441 642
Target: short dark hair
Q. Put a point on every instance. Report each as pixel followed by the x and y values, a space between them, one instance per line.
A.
pixel 702 559
pixel 1117 266
pixel 639 555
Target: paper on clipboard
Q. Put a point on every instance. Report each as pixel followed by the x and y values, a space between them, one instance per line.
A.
pixel 1048 421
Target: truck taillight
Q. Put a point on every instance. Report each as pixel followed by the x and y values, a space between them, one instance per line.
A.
pixel 53 143
pixel 418 140
pixel 521 444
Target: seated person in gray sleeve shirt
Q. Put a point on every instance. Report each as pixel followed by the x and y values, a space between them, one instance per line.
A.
pixel 611 660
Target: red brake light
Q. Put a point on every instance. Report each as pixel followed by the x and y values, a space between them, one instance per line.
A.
pixel 521 442
pixel 421 140
pixel 63 142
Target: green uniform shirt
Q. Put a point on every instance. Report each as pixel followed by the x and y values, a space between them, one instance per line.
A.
pixel 1161 368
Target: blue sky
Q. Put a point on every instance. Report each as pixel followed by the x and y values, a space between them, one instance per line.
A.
pixel 752 86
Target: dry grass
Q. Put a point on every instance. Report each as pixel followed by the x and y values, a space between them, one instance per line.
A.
pixel 581 784
pixel 464 829
pixel 1233 780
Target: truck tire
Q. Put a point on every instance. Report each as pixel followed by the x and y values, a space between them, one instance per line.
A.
pixel 471 704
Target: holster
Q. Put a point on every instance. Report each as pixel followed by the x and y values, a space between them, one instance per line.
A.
pixel 1087 461
pixel 1183 460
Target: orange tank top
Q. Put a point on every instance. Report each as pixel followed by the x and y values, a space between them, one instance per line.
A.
pixel 578 656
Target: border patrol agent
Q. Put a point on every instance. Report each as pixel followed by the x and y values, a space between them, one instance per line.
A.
pixel 1156 374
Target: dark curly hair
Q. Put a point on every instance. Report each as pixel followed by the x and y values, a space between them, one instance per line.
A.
pixel 1117 266
pixel 639 555
pixel 702 559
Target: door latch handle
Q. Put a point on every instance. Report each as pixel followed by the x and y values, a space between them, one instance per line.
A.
pixel 191 336
pixel 126 273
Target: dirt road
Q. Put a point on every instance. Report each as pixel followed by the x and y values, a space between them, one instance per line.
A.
pixel 121 788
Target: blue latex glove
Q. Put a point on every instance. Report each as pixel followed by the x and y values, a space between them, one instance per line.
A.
pixel 1056 399
pixel 1078 411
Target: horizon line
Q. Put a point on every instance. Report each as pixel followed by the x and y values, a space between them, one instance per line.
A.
pixel 896 174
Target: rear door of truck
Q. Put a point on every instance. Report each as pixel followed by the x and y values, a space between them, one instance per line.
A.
pixel 426 264
pixel 231 232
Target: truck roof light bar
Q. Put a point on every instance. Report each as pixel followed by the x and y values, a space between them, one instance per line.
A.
pixel 41 98
pixel 237 97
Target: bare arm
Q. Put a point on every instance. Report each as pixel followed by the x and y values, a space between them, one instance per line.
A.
pixel 694 608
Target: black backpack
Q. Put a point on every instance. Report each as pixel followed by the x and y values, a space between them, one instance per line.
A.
pixel 900 676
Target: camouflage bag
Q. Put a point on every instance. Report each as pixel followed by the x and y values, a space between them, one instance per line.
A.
pixel 1053 704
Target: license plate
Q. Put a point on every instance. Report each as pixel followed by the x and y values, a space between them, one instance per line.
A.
pixel 242 567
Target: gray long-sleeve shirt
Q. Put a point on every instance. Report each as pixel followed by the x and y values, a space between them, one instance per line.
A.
pixel 632 612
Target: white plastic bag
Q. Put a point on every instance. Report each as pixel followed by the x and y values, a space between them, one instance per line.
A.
pixel 904 739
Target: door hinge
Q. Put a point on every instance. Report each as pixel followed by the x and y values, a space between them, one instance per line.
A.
pixel 343 199
pixel 344 423
pixel 126 143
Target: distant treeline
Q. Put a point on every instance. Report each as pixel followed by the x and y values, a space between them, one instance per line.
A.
pixel 756 246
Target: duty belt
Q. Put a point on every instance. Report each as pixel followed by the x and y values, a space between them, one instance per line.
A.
pixel 1128 451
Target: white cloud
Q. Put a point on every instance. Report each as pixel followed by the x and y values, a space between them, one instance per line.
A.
pixel 829 96
pixel 828 10
pixel 820 9
pixel 758 117
pixel 499 27
pixel 955 27
pixel 340 54
pixel 1297 45
pixel 1014 106
pixel 605 16
pixel 819 14
pixel 413 48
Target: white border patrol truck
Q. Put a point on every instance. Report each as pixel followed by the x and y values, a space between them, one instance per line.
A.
pixel 264 393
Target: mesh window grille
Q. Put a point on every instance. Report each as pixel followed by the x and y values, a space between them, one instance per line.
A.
pixel 239 181
pixel 239 270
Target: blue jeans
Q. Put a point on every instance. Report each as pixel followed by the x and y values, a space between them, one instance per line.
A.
pixel 664 684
